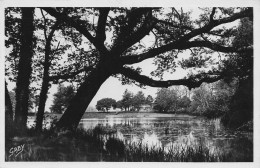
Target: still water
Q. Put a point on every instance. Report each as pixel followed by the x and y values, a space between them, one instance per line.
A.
pixel 170 132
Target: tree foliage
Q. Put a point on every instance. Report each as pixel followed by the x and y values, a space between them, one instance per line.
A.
pixel 166 100
pixel 240 66
pixel 127 100
pixel 149 100
pixel 213 100
pixel 105 104
pixel 138 100
pixel 62 98
pixel 184 102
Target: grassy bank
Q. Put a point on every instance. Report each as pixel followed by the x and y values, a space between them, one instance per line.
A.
pixel 100 145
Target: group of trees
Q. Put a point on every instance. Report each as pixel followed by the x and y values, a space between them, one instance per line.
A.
pixel 211 100
pixel 62 98
pixel 105 104
pixel 88 45
pixel 129 102
pixel 172 99
pixel 134 102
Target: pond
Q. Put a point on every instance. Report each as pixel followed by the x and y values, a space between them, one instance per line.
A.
pixel 169 132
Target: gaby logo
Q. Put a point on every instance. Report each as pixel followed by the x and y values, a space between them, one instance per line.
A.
pixel 14 151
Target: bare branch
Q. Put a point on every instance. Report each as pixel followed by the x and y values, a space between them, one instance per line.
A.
pixel 192 82
pixel 212 14
pixel 44 29
pixel 131 59
pixel 78 25
pixel 53 29
pixel 177 13
pixel 100 34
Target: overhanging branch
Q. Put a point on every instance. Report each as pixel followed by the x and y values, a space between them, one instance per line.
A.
pixel 213 23
pixel 192 82
pixel 183 42
pixel 132 59
pixel 101 34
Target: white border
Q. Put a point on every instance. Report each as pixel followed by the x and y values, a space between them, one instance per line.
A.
pixel 150 3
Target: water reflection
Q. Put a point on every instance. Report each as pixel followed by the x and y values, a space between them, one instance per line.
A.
pixel 170 133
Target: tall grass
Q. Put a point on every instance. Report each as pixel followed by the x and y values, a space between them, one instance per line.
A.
pixel 101 145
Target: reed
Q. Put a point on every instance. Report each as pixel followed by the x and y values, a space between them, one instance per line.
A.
pixel 100 145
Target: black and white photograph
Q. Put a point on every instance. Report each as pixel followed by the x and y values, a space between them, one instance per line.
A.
pixel 123 83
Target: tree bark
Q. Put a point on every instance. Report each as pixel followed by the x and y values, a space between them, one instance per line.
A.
pixel 88 89
pixel 24 68
pixel 43 98
pixel 8 104
pixel 45 80
pixel 8 114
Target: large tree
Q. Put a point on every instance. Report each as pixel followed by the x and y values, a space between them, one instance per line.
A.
pixel 173 31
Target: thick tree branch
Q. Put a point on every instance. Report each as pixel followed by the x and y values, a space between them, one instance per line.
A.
pixel 132 37
pixel 72 74
pixel 192 82
pixel 101 34
pixel 53 29
pixel 219 48
pixel 78 25
pixel 214 23
pixel 183 44
pixel 44 28
pixel 131 59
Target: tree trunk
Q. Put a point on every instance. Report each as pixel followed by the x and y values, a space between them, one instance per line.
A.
pixel 8 114
pixel 45 81
pixel 43 98
pixel 83 97
pixel 24 67
pixel 8 105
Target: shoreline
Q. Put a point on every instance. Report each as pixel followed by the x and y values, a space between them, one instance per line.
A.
pixel 102 115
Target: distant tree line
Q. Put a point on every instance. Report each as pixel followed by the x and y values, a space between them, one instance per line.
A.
pixel 211 100
pixel 129 102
